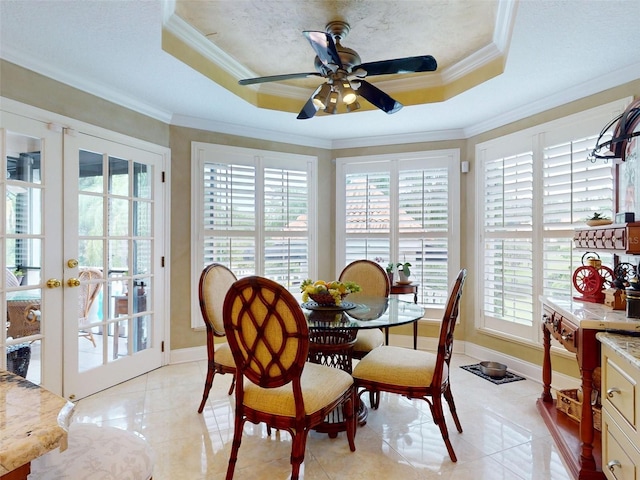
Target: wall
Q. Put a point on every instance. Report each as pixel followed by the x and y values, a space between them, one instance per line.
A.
pixel 31 88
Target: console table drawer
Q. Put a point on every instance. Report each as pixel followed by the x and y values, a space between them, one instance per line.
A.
pixel 622 238
pixel 562 329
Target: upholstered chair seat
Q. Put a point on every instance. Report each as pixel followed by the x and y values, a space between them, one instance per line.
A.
pixel 320 387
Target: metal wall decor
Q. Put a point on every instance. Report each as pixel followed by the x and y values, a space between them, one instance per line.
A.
pixel 622 142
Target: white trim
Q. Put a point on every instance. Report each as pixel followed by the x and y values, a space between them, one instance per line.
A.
pixel 60 123
pixel 191 354
pixel 578 125
pixel 452 157
pixel 203 153
pixel 528 370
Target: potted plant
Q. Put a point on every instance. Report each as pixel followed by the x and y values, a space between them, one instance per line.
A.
pixel 403 272
pixel 389 269
pixel 598 219
pixel 19 274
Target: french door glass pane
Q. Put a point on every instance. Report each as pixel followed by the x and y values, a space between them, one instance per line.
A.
pixel 23 251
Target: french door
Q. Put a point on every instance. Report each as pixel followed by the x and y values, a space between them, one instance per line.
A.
pixel 84 223
pixel 112 256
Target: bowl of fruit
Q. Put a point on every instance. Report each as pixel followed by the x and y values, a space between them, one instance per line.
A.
pixel 327 294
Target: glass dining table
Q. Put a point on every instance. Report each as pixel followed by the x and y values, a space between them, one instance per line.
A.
pixel 333 330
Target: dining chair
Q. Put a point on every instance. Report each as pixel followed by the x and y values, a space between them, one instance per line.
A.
pixel 373 281
pixel 269 339
pixel 86 297
pixel 417 374
pixel 214 284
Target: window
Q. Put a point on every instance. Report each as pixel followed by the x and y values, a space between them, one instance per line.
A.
pixel 253 214
pixel 534 187
pixel 402 208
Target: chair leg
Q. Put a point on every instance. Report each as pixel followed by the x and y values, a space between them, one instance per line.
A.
pixel 349 413
pixel 233 384
pixel 297 452
pixel 211 371
pixel 235 446
pixel 452 407
pixel 438 418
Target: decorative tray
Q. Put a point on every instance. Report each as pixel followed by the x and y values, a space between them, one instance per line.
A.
pixel 342 307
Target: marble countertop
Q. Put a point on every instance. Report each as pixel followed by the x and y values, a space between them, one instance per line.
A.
pixel 33 421
pixel 627 346
pixel 596 316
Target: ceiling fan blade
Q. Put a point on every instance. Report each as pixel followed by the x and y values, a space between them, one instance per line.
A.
pixel 278 78
pixel 378 98
pixel 308 111
pixel 324 46
pixel 424 63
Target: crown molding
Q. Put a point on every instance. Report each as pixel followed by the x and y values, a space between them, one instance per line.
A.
pixel 244 131
pixel 196 40
pixel 400 139
pixel 85 85
pixel 591 87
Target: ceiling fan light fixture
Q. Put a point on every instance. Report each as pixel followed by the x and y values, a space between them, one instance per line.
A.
pixel 321 97
pixel 348 95
pixel 332 105
pixel 351 107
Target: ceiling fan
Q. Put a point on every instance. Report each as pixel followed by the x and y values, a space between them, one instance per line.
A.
pixel 344 74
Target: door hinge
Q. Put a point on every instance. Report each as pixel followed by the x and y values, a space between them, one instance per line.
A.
pixel 162 177
pixel 162 261
pixel 162 346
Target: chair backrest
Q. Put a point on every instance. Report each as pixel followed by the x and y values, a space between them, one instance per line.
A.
pixel 371 277
pixel 215 281
pixel 11 279
pixel 267 333
pixel 88 290
pixel 448 325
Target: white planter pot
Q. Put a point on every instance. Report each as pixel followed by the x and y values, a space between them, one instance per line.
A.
pixel 402 277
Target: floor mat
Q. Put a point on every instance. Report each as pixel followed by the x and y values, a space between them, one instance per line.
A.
pixel 508 378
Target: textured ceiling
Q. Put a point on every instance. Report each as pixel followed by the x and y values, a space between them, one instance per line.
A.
pixel 266 37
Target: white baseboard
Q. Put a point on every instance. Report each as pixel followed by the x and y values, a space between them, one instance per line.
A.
pixel 191 354
pixel 528 370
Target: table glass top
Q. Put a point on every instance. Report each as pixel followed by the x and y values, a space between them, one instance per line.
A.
pixel 369 312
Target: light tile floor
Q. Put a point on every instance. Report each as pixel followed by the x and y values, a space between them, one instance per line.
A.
pixel 504 436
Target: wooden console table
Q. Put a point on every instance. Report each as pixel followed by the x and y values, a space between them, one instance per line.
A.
pixel 402 289
pixel 575 324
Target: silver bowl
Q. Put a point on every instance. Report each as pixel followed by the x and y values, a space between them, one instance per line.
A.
pixel 493 369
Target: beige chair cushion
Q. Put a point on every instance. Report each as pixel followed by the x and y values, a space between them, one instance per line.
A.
pixel 97 453
pixel 223 355
pixel 321 385
pixel 398 366
pixel 368 339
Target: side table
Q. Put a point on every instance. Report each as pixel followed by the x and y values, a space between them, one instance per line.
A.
pixel 402 289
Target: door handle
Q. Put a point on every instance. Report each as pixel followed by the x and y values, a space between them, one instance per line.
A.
pixel 53 283
pixel 73 282
pixel 612 390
